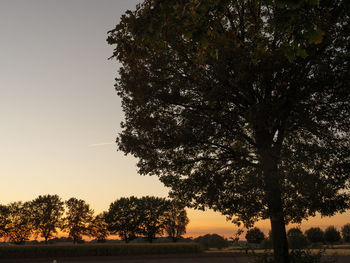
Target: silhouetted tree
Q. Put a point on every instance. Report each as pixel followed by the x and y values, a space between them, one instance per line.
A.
pixel 98 228
pixel 345 231
pixel 175 220
pixel 47 211
pixel 123 218
pixel 4 220
pixel 240 106
pixel 315 235
pixel 19 226
pixel 296 238
pixel 331 235
pixel 212 241
pixel 77 219
pixel 254 236
pixel 153 211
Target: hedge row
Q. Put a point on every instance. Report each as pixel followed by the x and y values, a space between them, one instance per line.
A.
pixel 95 250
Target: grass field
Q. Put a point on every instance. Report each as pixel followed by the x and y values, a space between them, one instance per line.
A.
pixel 44 251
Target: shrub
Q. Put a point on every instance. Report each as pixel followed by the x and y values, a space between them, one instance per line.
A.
pixel 346 232
pixel 255 236
pixel 212 241
pixel 266 244
pixel 331 235
pixel 296 239
pixel 315 235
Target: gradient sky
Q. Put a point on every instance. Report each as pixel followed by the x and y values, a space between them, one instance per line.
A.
pixel 59 112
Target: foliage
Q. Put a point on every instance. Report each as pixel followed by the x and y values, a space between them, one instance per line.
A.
pixel 175 220
pixel 296 239
pixel 47 214
pixel 240 106
pixel 266 243
pixel 297 256
pixel 212 241
pixel 98 228
pixel 331 235
pixel 123 218
pixel 346 232
pixel 19 227
pixel 152 211
pixel 315 235
pixel 254 236
pixel 78 216
pixel 58 251
pixel 4 220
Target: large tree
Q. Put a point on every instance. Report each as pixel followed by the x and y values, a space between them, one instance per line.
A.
pixel 77 219
pixel 175 220
pixel 123 218
pixel 47 211
pixel 240 105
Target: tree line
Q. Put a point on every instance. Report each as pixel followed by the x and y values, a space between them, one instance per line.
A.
pixel 127 217
pixel 299 240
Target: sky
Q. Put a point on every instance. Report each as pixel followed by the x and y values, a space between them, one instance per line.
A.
pixel 60 114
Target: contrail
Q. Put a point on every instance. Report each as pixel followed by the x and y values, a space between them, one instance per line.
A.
pixel 101 144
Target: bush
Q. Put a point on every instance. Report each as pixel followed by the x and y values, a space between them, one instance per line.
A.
pixel 59 251
pixel 212 241
pixel 331 235
pixel 315 235
pixel 296 239
pixel 346 232
pixel 255 236
pixel 297 256
pixel 266 244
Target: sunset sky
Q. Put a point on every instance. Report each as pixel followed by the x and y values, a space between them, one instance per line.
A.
pixel 60 114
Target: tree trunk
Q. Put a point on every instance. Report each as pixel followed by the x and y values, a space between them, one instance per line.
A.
pixel 272 182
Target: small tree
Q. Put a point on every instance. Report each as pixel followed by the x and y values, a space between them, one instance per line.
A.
pixel 98 228
pixel 123 218
pixel 345 230
pixel 254 236
pixel 315 235
pixel 153 211
pixel 212 241
pixel 47 214
pixel 19 226
pixel 175 220
pixel 331 235
pixel 296 238
pixel 78 217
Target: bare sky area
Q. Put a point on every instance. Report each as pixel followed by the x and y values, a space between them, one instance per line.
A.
pixel 60 114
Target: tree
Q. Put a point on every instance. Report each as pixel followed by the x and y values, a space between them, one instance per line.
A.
pixel 47 214
pixel 4 220
pixel 123 218
pixel 98 228
pixel 212 241
pixel 19 226
pixel 296 238
pixel 152 211
pixel 345 231
pixel 175 220
pixel 78 217
pixel 331 235
pixel 254 236
pixel 240 106
pixel 315 235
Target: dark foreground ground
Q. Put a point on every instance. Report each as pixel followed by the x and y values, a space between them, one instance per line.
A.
pixel 178 258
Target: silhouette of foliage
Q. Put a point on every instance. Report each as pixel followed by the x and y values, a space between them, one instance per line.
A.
pixel 77 219
pixel 346 232
pixel 296 238
pixel 4 220
pixel 47 214
pixel 152 215
pixel 212 241
pixel 315 235
pixel 123 218
pixel 331 235
pixel 240 106
pixel 254 236
pixel 175 220
pixel 98 228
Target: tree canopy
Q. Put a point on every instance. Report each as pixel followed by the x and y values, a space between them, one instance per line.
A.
pixel 240 106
